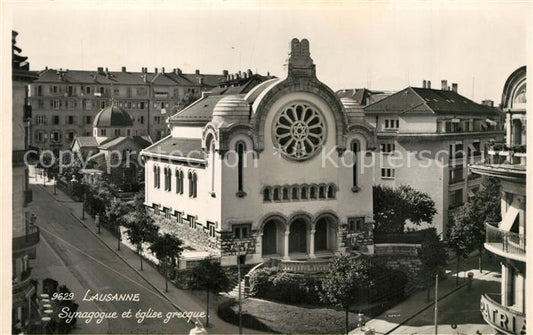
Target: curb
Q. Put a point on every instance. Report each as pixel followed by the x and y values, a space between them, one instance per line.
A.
pixel 129 265
pixel 120 256
pixel 429 305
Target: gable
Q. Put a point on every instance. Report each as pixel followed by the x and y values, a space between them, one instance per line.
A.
pixel 404 101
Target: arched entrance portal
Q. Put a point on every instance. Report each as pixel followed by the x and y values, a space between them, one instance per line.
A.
pixel 271 243
pixel 298 236
pixel 326 234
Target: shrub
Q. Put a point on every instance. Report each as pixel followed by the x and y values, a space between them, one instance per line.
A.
pixel 269 283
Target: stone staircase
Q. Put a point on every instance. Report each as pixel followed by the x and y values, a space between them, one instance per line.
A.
pixel 245 286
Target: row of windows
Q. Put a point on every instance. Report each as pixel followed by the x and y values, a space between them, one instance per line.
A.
pixel 55 136
pixel 391 124
pixel 209 228
pixel 91 104
pixel 388 173
pixel 191 176
pixel 72 90
pixel 299 192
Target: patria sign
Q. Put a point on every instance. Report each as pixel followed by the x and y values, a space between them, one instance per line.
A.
pixel 502 318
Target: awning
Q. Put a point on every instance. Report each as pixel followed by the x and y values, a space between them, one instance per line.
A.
pixel 509 218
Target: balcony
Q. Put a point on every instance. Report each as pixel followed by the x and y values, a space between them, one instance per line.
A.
pixel 505 243
pixel 504 319
pixel 21 284
pixel 31 238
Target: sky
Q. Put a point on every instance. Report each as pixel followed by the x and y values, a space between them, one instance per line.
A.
pixel 379 45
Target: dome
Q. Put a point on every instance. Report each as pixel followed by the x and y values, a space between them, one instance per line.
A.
pixel 349 103
pixel 112 116
pixel 231 108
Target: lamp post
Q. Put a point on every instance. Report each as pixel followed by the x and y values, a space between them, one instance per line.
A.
pixel 239 249
pixel 97 221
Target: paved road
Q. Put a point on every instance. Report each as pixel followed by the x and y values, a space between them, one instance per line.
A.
pixel 72 255
pixel 460 309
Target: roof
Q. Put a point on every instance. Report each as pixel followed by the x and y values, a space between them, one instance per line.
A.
pixel 199 111
pixel 128 78
pixel 112 116
pixel 87 141
pixel 177 147
pixel 426 100
pixel 140 141
pixel 361 95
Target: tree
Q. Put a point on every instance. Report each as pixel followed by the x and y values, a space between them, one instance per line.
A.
pixel 166 248
pixel 433 258
pixel 114 213
pixel 487 206
pixel 460 237
pixel 141 228
pixel 345 283
pixel 394 206
pixel 468 221
pixel 209 276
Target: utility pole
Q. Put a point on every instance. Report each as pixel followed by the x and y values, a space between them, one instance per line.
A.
pixel 436 302
pixel 239 281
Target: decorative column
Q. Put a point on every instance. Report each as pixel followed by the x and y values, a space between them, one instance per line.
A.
pixel 286 244
pixel 312 241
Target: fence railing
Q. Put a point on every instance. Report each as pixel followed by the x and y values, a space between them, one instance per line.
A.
pixel 505 241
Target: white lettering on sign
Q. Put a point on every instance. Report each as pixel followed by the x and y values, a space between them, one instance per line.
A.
pixel 502 318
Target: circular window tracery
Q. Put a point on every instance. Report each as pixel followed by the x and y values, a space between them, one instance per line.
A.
pixel 299 131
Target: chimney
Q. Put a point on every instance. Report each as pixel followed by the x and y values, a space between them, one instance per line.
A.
pixel 429 84
pixel 444 85
pixel 200 80
pixel 424 83
pixel 238 75
pixel 488 103
pixel 268 74
pixel 46 67
pixel 455 87
pixel 163 69
pixel 197 71
pixel 245 75
pixel 250 73
pixel 225 73
pixel 155 70
pixel 100 70
pixel 123 69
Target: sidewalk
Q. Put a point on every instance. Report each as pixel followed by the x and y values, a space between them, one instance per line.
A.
pixel 182 300
pixel 390 320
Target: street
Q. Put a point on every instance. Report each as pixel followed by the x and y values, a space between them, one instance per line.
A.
pixel 459 312
pixel 70 254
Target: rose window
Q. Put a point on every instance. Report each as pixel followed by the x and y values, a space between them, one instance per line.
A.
pixel 299 131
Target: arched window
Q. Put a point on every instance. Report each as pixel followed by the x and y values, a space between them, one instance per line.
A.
pixel 331 192
pixel 266 194
pixel 181 182
pixel 212 167
pixel 189 176
pixel 355 151
pixel 241 148
pixel 276 194
pixel 285 193
pixel 194 185
pixel 157 177
pixel 322 192
pixel 169 176
pixel 294 193
pixel 312 192
pixel 177 175
pixel 303 193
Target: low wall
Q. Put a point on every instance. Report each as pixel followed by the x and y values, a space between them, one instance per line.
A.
pixel 402 257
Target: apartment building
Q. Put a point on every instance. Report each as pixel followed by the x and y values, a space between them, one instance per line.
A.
pixel 65 102
pixel 26 235
pixel 506 311
pixel 425 139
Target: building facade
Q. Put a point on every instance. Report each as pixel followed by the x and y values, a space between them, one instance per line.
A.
pixel 65 102
pixel 425 139
pixel 25 234
pixel 506 311
pixel 264 172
